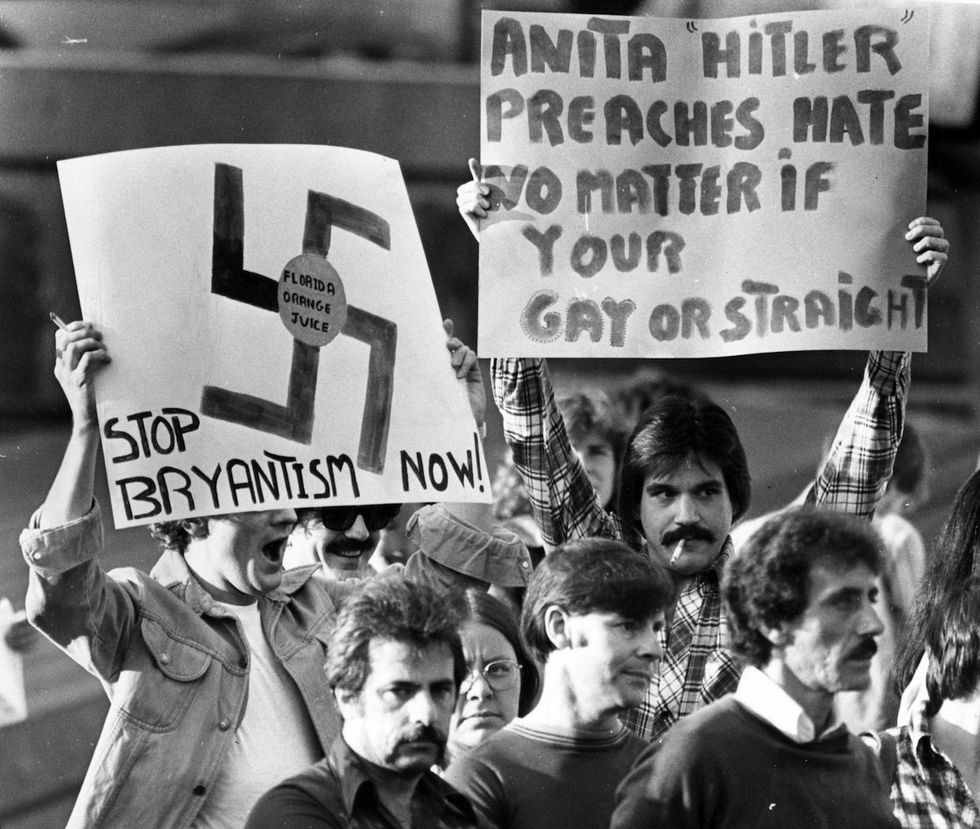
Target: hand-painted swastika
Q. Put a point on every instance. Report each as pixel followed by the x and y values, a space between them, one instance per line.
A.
pixel 294 420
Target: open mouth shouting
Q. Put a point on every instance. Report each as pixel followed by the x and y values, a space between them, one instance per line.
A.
pixel 273 551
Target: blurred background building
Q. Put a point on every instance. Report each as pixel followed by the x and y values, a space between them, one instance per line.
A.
pixel 401 78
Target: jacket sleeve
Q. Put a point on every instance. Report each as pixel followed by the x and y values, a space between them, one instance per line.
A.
pixel 71 600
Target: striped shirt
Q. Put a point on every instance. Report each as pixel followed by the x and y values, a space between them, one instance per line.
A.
pixel 697 667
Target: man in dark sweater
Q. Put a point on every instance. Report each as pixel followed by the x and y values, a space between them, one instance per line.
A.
pixel 592 615
pixel 799 601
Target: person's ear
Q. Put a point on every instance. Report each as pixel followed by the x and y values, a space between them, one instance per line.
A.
pixel 195 527
pixel 556 626
pixel 346 700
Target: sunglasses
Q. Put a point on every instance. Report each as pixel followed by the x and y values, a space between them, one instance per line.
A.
pixel 376 516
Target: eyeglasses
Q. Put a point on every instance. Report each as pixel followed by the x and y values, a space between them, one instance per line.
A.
pixel 376 516
pixel 501 675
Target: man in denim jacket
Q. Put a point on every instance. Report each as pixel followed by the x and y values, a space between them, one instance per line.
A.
pixel 213 662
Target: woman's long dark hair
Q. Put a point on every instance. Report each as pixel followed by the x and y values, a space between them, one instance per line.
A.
pixel 955 558
pixel 480 607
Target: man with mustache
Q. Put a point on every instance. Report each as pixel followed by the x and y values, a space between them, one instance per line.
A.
pixel 212 660
pixel 685 482
pixel 394 662
pixel 799 599
pixel 592 616
pixel 342 539
pixel 453 548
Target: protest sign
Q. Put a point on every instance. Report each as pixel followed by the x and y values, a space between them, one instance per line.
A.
pixel 13 699
pixel 274 333
pixel 694 188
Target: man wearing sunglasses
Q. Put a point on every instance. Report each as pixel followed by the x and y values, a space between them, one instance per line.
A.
pixel 453 547
pixel 342 539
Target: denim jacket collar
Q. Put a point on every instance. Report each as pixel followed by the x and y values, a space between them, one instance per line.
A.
pixel 172 572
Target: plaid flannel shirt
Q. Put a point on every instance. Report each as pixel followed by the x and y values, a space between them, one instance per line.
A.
pixel 697 667
pixel 928 791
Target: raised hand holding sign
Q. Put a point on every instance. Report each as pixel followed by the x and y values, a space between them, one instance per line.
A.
pixel 306 367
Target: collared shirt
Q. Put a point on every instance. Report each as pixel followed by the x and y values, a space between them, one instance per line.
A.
pixel 566 507
pixel 770 703
pixel 928 791
pixel 341 791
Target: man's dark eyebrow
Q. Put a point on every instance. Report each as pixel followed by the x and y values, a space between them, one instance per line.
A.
pixel 401 684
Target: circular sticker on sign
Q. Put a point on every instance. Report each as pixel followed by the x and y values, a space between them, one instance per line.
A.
pixel 312 303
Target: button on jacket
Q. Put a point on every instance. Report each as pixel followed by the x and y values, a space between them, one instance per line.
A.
pixel 174 665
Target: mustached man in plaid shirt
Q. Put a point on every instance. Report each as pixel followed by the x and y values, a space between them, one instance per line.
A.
pixel 937 779
pixel 684 482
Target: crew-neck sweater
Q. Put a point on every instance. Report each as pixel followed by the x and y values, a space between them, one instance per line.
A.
pixel 725 768
pixel 529 777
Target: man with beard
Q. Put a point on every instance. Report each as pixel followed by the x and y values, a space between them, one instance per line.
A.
pixel 592 616
pixel 394 662
pixel 799 600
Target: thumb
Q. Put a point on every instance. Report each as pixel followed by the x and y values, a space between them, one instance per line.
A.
pixel 475 170
pixel 447 326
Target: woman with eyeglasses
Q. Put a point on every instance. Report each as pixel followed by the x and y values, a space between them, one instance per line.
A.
pixel 501 682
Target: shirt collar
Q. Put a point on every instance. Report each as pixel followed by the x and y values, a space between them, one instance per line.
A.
pixel 919 723
pixel 920 733
pixel 354 778
pixel 770 703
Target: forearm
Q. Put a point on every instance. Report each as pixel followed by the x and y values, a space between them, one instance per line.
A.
pixel 861 458
pixel 72 491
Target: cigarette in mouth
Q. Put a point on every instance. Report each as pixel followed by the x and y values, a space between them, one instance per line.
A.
pixel 678 552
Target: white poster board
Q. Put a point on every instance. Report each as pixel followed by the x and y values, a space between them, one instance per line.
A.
pixel 274 333
pixel 13 699
pixel 702 188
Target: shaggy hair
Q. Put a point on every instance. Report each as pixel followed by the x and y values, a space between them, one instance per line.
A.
pixel 672 431
pixel 767 583
pixel 389 607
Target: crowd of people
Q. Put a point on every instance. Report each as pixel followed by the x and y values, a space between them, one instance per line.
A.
pixel 606 646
